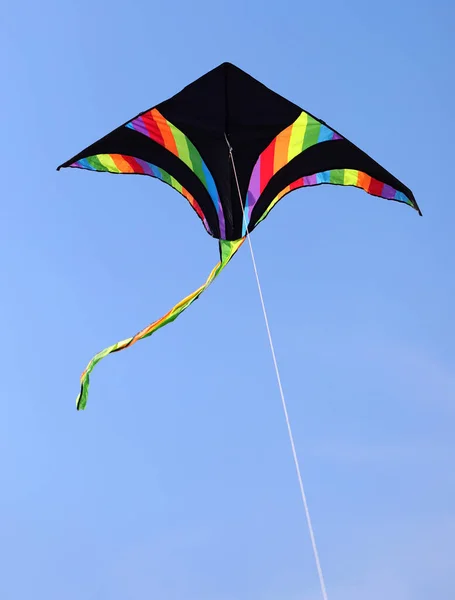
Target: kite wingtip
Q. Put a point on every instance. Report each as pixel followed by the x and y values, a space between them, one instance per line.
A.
pixel 411 201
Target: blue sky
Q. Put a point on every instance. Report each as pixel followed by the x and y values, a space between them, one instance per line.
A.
pixel 178 481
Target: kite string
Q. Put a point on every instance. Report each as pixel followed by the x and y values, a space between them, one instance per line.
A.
pixel 280 387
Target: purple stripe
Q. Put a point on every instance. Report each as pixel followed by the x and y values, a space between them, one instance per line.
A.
pixel 310 179
pixel 139 125
pixel 221 220
pixel 254 189
pixel 388 192
pixel 146 167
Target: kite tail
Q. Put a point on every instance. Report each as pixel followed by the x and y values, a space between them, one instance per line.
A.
pixel 227 251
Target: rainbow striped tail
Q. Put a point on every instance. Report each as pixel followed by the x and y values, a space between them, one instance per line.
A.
pixel 227 251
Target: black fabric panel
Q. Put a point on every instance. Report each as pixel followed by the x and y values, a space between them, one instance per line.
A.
pixel 228 100
pixel 132 143
pixel 335 154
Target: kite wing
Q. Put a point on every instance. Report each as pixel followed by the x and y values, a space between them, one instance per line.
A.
pixel 308 153
pixel 150 145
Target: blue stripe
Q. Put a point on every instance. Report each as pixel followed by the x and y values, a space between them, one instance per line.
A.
pixel 325 134
pixel 156 171
pixel 211 187
pixel 402 197
pixel 323 177
pixel 84 163
pixel 245 213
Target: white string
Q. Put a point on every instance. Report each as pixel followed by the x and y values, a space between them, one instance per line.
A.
pixel 283 401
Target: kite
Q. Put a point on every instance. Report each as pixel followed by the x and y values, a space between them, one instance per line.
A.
pixel 233 148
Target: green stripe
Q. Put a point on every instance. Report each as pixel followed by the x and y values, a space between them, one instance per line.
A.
pixel 337 176
pixel 96 163
pixel 312 133
pixel 182 144
pixel 166 177
pixel 188 153
pixel 196 161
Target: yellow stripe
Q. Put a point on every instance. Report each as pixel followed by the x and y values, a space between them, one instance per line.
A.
pixel 182 146
pixel 108 163
pixel 350 177
pixel 176 184
pixel 297 136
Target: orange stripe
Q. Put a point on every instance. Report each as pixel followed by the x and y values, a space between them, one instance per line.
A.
pixel 121 164
pixel 363 180
pixel 193 203
pixel 166 132
pixel 286 190
pixel 282 149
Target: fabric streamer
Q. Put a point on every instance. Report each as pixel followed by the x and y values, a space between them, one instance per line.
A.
pixel 227 251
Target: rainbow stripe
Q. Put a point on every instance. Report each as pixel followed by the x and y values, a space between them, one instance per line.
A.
pixel 289 143
pixel 120 163
pixel 227 251
pixel 349 177
pixel 159 129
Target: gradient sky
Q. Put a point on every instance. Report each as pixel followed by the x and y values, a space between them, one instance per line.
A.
pixel 177 482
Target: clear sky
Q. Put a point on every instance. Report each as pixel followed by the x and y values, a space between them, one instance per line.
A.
pixel 177 482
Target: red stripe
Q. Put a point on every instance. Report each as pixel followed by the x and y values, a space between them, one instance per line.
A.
pixel 152 128
pixel 375 187
pixel 267 160
pixel 193 203
pixel 134 164
pixel 296 184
